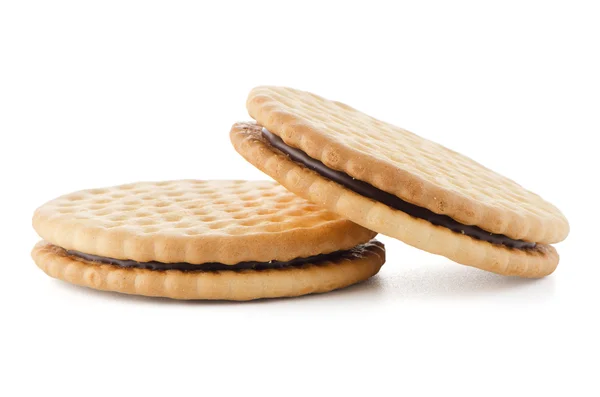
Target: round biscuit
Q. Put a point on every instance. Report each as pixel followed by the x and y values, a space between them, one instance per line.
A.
pixel 362 262
pixel 196 222
pixel 401 163
pixel 249 142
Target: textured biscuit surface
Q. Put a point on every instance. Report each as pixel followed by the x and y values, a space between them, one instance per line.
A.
pixel 362 262
pixel 196 222
pixel 401 163
pixel 538 262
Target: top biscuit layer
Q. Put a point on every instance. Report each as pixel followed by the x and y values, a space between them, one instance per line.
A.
pixel 196 222
pixel 399 162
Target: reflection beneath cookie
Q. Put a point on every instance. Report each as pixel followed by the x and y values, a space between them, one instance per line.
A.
pixel 449 280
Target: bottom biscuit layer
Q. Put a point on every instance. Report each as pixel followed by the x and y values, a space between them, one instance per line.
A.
pixel 239 285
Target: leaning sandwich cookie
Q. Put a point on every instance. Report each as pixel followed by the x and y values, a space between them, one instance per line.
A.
pixel 394 182
pixel 232 240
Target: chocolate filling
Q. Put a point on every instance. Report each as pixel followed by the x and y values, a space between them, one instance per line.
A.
pixel 369 191
pixel 208 267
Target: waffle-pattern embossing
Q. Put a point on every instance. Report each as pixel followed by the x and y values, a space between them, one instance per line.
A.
pixel 538 262
pixel 195 221
pixel 399 162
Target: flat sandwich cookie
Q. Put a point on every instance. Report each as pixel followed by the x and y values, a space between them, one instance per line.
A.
pixel 233 240
pixel 396 183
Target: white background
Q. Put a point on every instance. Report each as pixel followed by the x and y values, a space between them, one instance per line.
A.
pixel 102 93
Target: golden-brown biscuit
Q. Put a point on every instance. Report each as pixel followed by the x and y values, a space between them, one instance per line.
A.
pixel 399 184
pixel 235 240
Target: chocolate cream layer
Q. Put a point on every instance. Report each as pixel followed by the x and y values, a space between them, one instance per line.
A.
pixel 369 191
pixel 190 267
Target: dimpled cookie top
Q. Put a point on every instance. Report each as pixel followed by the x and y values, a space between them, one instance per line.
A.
pixel 195 221
pixel 399 162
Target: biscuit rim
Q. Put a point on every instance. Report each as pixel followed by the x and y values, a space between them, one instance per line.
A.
pixel 327 236
pixel 538 262
pixel 239 285
pixel 301 133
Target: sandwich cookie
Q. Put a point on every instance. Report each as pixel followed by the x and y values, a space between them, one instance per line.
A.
pixel 396 183
pixel 232 240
